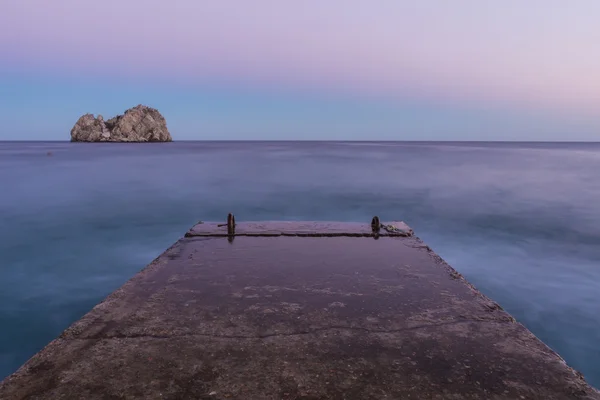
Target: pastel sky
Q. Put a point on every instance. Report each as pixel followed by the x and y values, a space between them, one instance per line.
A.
pixel 311 69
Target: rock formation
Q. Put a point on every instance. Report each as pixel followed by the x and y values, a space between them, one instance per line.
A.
pixel 138 124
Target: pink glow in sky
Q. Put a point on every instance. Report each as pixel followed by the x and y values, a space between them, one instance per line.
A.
pixel 541 52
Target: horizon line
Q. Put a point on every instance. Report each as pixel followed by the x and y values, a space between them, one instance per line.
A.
pixel 314 141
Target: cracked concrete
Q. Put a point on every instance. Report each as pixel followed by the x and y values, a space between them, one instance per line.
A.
pixel 297 317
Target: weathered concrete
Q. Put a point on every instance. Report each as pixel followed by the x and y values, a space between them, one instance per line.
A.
pixel 292 228
pixel 292 316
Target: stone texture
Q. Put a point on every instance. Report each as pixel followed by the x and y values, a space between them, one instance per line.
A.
pixel 138 124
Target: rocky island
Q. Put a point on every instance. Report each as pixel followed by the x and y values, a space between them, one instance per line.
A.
pixel 138 124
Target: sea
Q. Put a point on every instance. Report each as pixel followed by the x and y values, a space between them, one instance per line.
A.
pixel 521 221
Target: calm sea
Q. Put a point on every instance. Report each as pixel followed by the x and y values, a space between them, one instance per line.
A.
pixel 520 221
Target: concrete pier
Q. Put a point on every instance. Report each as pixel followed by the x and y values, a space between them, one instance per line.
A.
pixel 297 310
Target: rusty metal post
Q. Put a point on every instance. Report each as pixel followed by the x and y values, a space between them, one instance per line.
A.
pixel 230 227
pixel 375 224
pixel 230 223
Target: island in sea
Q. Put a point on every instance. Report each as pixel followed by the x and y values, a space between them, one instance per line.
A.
pixel 138 124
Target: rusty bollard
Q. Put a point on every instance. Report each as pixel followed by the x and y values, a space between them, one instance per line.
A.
pixel 375 226
pixel 230 227
pixel 230 223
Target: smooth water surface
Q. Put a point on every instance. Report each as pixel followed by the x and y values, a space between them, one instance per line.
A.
pixel 520 221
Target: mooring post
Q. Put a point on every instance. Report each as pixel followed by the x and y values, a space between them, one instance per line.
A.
pixel 230 227
pixel 375 224
pixel 230 223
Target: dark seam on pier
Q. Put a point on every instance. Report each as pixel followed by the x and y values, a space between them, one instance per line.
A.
pixel 296 234
pixel 308 332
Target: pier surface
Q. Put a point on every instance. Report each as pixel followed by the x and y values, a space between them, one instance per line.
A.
pixel 297 310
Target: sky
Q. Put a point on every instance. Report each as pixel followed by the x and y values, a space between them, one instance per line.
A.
pixel 314 70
